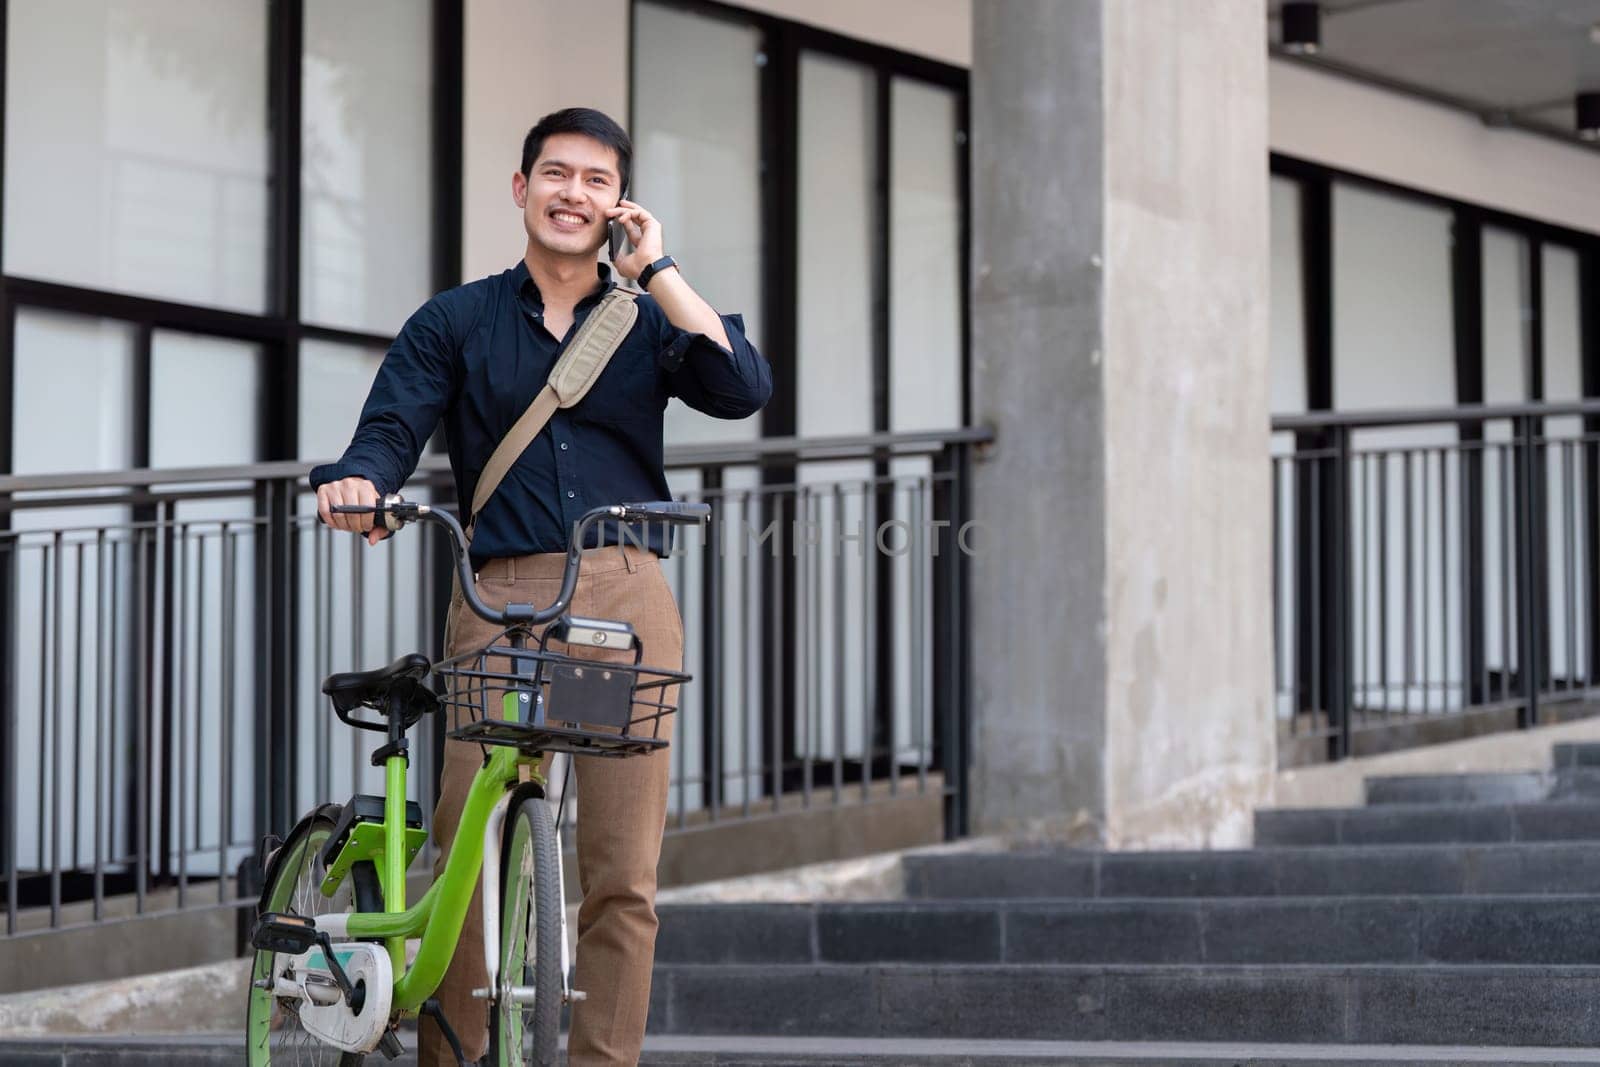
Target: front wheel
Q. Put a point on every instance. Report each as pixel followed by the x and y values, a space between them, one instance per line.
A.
pixel 272 1029
pixel 527 1004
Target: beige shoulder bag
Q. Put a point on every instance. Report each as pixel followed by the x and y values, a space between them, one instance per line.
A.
pixel 575 372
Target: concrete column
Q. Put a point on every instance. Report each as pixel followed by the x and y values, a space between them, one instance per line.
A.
pixel 1123 651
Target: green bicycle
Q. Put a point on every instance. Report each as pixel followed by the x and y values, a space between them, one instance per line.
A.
pixel 333 977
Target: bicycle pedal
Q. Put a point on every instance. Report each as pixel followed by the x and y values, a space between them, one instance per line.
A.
pixel 281 932
pixel 390 1045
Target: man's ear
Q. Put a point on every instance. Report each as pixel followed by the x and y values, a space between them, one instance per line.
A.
pixel 519 189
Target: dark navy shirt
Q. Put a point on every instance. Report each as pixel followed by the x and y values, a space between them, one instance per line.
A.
pixel 475 356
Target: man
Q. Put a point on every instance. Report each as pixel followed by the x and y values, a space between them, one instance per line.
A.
pixel 475 357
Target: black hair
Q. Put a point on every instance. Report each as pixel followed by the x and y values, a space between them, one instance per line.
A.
pixel 588 122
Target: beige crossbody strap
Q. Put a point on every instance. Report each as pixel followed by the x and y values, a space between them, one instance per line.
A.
pixel 597 340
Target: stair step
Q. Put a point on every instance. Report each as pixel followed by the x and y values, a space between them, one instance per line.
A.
pixel 1575 754
pixel 955 1052
pixel 1519 787
pixel 1544 1006
pixel 1429 824
pixel 1448 869
pixel 1516 930
pixel 760 1051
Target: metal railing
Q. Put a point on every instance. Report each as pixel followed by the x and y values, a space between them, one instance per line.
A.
pixel 1433 573
pixel 165 634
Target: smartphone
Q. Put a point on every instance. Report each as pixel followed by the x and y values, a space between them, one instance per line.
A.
pixel 618 236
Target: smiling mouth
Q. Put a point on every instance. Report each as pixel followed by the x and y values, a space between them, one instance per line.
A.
pixel 569 218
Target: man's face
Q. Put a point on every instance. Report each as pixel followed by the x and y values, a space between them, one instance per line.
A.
pixel 565 195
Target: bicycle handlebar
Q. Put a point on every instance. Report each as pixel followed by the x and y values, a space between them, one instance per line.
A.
pixel 396 513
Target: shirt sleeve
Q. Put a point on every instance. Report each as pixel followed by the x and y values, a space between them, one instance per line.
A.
pixel 724 383
pixel 416 382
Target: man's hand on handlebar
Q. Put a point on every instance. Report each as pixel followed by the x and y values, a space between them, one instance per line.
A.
pixel 392 512
pixel 350 491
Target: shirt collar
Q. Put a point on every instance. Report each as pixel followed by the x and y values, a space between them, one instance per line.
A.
pixel 523 285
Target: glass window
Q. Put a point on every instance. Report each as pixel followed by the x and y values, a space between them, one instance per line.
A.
pixel 1393 325
pixel 1566 459
pixel 205 410
pixel 391 578
pixel 1507 315
pixel 1393 334
pixel 1507 360
pixel 73 383
pixel 1287 321
pixel 73 394
pixel 366 162
pixel 1559 318
pixel 137 148
pixel 926 289
pixel 834 359
pixel 926 292
pixel 697 167
pixel 205 401
pixel 334 382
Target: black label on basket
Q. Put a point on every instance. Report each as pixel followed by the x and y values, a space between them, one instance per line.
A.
pixel 595 694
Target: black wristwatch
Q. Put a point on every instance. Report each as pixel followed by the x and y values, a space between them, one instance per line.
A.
pixel 650 272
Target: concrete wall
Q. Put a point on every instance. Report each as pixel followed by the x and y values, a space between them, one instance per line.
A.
pixel 1355 127
pixel 1122 645
pixel 939 29
pixel 524 60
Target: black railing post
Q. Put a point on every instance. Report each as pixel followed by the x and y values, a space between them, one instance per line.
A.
pixel 1530 600
pixel 1340 634
pixel 949 639
pixel 276 720
pixel 1470 537
pixel 711 680
pixel 167 836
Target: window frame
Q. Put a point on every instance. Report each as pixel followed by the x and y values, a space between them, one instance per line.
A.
pixel 279 330
pixel 783 42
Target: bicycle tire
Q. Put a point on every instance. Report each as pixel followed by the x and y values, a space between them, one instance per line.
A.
pixel 272 1031
pixel 530 940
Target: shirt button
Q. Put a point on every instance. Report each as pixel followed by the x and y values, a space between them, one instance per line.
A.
pixel 563 446
pixel 571 494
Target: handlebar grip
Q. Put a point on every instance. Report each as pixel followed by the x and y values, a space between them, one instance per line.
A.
pixel 674 511
pixel 392 512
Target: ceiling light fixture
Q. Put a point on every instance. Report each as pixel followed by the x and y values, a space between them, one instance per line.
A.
pixel 1302 27
pixel 1588 106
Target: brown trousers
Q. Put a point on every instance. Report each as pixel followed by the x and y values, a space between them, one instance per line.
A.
pixel 621 810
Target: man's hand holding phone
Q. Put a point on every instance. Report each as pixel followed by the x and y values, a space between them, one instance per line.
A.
pixel 345 491
pixel 644 238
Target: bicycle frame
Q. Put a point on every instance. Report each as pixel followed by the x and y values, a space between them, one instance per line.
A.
pixel 438 917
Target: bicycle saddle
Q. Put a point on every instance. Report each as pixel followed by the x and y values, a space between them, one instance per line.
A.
pixel 400 684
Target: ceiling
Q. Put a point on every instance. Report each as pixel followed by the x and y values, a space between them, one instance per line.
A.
pixel 1513 62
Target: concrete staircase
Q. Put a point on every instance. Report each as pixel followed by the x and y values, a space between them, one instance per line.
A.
pixel 1452 919
pixel 1449 911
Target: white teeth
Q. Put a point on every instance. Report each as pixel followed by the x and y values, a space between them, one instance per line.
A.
pixel 564 216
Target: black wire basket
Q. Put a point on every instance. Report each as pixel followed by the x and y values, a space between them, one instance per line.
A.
pixel 539 700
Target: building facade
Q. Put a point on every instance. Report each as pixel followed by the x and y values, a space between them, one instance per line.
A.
pixel 1113 286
